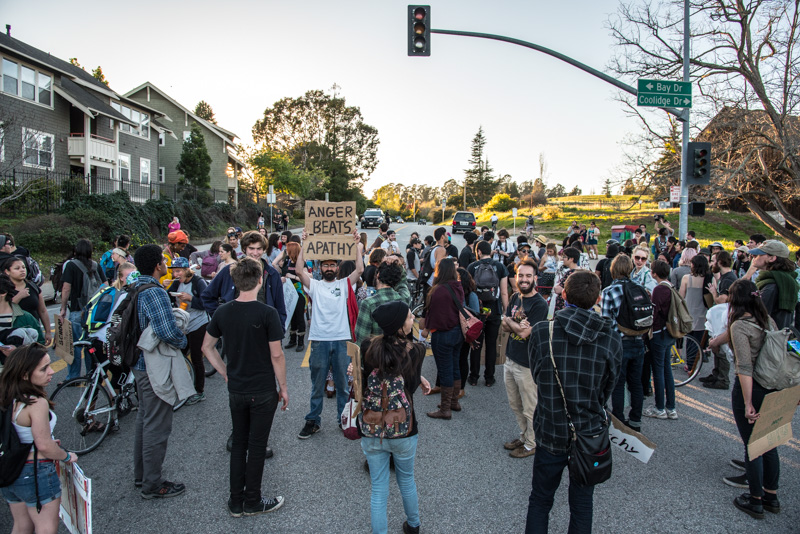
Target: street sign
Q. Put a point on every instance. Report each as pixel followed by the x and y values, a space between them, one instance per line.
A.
pixel 514 212
pixel 656 93
pixel 270 198
pixel 675 193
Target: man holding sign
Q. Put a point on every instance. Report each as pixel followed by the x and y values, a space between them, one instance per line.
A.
pixel 330 325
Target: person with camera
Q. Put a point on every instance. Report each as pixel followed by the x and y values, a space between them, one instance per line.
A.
pixel 661 221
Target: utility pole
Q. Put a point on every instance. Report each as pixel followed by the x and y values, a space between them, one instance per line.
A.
pixel 464 204
pixel 683 225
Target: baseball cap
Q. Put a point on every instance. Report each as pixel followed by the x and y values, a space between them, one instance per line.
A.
pixel 744 249
pixel 771 247
pixel 179 263
pixel 178 236
pixel 523 244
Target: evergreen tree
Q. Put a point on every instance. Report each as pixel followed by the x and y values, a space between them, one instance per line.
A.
pixel 607 188
pixel 481 185
pixel 204 111
pixel 195 166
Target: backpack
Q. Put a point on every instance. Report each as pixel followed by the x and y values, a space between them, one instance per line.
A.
pixel 34 271
pixel 91 282
pixel 777 367
pixel 605 275
pixel 679 320
pixel 209 266
pixel 107 264
pixel 486 281
pixel 55 275
pixel 635 316
pixel 123 336
pixel 97 311
pixel 426 269
pixel 386 410
pixel 13 453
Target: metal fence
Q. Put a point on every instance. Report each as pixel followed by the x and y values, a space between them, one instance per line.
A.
pixel 37 192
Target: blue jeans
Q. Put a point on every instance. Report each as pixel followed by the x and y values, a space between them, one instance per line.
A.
pixel 24 488
pixel 251 416
pixel 547 469
pixel 630 372
pixel 446 348
pixel 403 450
pixel 74 369
pixel 325 355
pixel 663 383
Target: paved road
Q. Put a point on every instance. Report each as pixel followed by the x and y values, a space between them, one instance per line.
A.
pixel 467 483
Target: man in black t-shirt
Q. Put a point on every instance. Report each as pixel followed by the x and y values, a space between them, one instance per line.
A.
pixel 525 309
pixel 495 299
pixel 253 335
pixel 412 259
pixel 467 255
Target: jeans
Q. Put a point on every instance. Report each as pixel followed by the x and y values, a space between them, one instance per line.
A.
pixel 325 355
pixel 403 450
pixel 547 469
pixel 153 427
pixel 24 488
pixel 446 347
pixel 663 383
pixel 251 416
pixel 764 471
pixel 630 373
pixel 491 329
pixel 522 397
pixel 74 369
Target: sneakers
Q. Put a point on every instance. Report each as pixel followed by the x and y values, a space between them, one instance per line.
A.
pixel 738 464
pixel 180 405
pixel 194 399
pixel 408 529
pixel 265 506
pixel 672 414
pixel 708 378
pixel 749 505
pixel 511 445
pixel 652 411
pixel 715 385
pixel 310 428
pixel 236 510
pixel 167 489
pixel 737 482
pixel 522 452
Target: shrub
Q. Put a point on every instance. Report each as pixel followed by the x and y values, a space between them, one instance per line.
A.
pixel 53 233
pixel 551 213
pixel 501 202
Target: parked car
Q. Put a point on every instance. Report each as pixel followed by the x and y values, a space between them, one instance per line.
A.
pixel 372 217
pixel 463 221
pixel 422 222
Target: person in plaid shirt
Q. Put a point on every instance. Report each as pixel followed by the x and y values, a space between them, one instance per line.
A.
pixel 587 352
pixel 388 275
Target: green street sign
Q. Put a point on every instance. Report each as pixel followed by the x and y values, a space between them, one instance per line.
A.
pixel 657 93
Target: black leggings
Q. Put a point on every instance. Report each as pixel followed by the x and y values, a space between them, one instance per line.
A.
pixel 298 323
pixel 195 349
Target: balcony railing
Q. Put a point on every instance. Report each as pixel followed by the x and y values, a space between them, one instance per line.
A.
pixel 100 148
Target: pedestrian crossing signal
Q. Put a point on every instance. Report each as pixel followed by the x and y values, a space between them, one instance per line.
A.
pixel 419 30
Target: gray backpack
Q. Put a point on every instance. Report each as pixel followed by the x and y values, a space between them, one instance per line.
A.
pixel 777 367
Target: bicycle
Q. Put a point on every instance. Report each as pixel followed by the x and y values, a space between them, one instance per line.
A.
pixel 93 406
pixel 686 359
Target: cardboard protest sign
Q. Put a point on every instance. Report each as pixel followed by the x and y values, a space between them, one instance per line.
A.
pixel 62 339
pixel 630 441
pixel 290 298
pixel 329 231
pixel 354 351
pixel 774 425
pixel 76 498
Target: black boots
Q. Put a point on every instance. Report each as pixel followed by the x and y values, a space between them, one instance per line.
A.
pixel 292 340
pixel 300 346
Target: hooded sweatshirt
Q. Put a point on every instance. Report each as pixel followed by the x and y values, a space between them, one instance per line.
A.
pixel 588 352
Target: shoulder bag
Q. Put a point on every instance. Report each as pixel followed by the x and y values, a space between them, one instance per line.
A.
pixel 471 326
pixel 589 454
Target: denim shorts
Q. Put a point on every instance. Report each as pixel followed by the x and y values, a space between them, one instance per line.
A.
pixel 24 489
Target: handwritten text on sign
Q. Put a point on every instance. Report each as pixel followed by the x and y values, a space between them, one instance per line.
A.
pixel 331 218
pixel 329 247
pixel 63 339
pixel 630 441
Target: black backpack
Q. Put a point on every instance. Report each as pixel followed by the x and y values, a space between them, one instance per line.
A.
pixel 91 282
pixel 635 316
pixel 487 281
pixel 123 336
pixel 426 269
pixel 13 453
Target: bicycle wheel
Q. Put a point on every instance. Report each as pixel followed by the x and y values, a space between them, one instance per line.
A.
pixel 84 414
pixel 686 359
pixel 189 366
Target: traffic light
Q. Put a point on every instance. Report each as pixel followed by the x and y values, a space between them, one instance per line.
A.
pixel 698 171
pixel 419 30
pixel 697 209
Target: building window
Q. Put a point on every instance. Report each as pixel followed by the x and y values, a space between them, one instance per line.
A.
pixel 161 175
pixel 186 136
pixel 28 83
pixel 138 117
pixel 37 149
pixel 162 139
pixel 144 171
pixel 124 167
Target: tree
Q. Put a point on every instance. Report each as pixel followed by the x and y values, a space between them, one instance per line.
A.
pixel 204 111
pixel 607 188
pixel 501 202
pixel 321 131
pixel 576 192
pixel 74 61
pixel 480 184
pixel 195 165
pixel 744 60
pixel 387 199
pixel 277 170
pixel 99 76
pixel 557 191
pixel 539 192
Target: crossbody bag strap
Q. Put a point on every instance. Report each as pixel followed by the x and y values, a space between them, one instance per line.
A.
pixel 560 387
pixel 459 306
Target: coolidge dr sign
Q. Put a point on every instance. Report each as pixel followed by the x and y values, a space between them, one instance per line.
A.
pixel 655 93
pixel 329 228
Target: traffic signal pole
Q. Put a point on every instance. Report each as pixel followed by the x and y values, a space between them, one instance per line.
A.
pixel 683 225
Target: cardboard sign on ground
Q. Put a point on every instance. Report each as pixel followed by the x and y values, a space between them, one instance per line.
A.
pixel 354 351
pixel 62 339
pixel 625 438
pixel 774 425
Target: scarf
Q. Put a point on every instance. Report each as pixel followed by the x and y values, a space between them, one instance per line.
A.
pixel 787 287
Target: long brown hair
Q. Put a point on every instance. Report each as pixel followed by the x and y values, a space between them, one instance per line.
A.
pixel 15 383
pixel 292 250
pixel 743 297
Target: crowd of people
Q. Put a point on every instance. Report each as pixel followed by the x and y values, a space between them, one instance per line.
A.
pixel 576 343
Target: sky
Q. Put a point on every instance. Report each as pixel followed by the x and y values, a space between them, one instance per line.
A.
pixel 242 56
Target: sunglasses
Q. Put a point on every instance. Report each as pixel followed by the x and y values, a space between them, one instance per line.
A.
pixel 232 235
pixel 643 258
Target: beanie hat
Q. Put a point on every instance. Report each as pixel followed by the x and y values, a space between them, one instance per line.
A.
pixel 391 316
